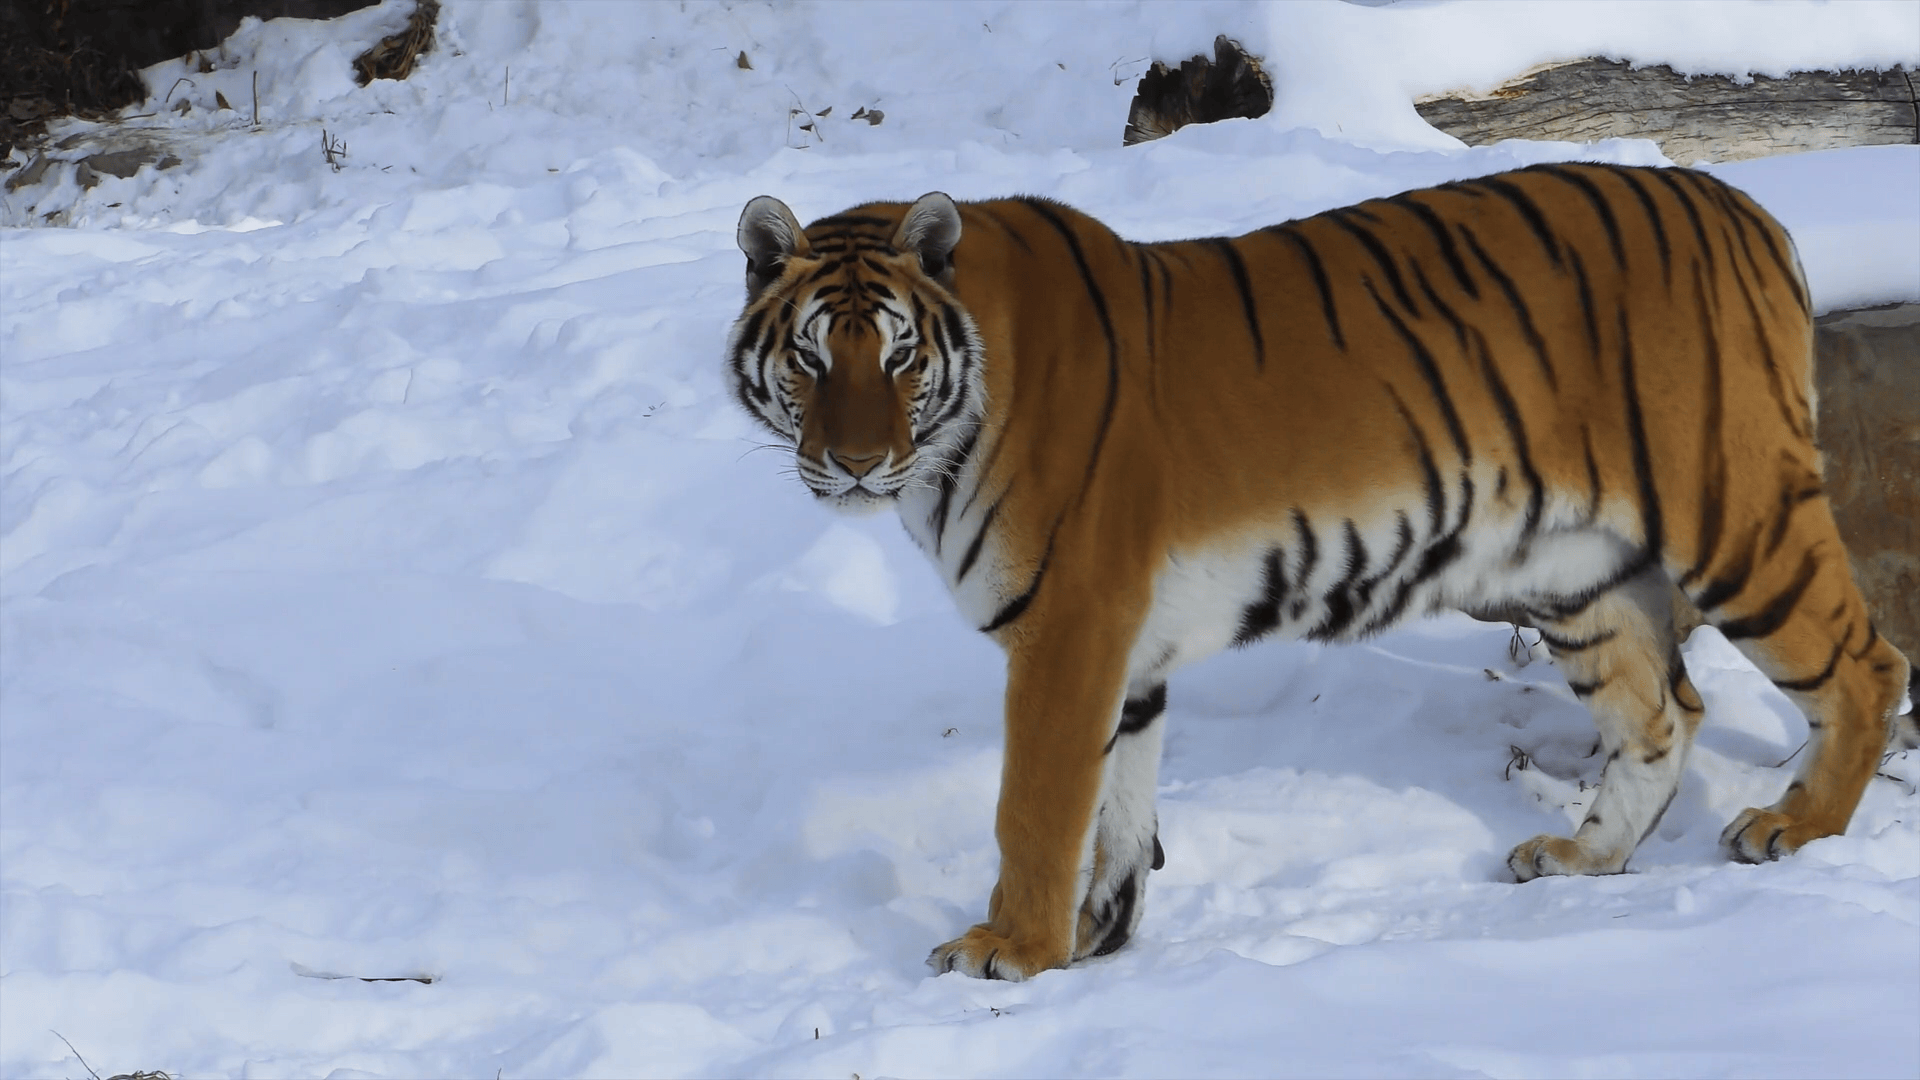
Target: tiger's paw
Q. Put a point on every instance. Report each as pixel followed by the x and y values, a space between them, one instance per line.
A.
pixel 983 954
pixel 1545 855
pixel 1115 900
pixel 1108 916
pixel 1758 836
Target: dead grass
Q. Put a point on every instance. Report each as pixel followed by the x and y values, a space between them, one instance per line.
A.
pixel 392 57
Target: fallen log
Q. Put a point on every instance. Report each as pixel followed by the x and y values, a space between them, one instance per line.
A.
pixel 1702 118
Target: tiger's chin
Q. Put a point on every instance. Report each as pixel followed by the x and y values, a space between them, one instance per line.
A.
pixel 857 502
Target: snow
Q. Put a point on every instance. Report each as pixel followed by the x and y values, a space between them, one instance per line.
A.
pixel 388 589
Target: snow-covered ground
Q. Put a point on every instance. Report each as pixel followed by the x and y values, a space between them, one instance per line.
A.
pixel 390 591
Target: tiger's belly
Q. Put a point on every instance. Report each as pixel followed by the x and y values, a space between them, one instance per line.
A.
pixel 1300 584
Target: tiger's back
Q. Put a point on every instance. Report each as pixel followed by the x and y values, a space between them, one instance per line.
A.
pixel 1433 384
pixel 1565 389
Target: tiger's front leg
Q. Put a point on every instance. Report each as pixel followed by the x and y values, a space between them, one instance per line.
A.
pixel 1126 842
pixel 1075 822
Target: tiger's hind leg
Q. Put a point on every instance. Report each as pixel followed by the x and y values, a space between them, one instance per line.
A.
pixel 1621 656
pixel 1794 611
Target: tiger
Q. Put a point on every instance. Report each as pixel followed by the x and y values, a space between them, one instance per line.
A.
pixel 1578 391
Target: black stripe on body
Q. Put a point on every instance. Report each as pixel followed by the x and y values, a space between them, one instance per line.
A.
pixel 1137 714
pixel 1261 617
pixel 1018 605
pixel 1665 176
pixel 1339 598
pixel 1319 272
pixel 985 471
pixel 1640 192
pixel 1013 234
pixel 1574 645
pixel 1237 266
pixel 1440 306
pixel 1449 251
pixel 1731 581
pixel 1521 312
pixel 1815 682
pixel 1738 228
pixel 1442 552
pixel 1799 424
pixel 1436 493
pixel 1517 432
pixel 1442 548
pixel 1601 206
pixel 1403 529
pixel 1873 638
pixel 1593 476
pixel 979 538
pixel 1642 453
pixel 1769 619
pixel 1390 614
pixel 949 479
pixel 1106 328
pixel 1737 206
pixel 1384 258
pixel 1165 275
pixel 1146 293
pixel 1588 312
pixel 1309 555
pixel 1791 499
pixel 1572 604
pixel 1535 220
pixel 1428 370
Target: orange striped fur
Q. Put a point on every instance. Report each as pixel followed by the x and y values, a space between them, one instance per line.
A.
pixel 1564 390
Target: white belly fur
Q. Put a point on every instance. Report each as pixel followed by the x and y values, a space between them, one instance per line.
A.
pixel 1202 594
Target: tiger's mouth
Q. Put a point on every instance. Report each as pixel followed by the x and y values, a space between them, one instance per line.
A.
pixel 862 494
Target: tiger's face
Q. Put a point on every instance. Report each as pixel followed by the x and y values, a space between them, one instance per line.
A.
pixel 853 349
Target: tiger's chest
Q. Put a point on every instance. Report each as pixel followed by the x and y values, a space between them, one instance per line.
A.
pixel 955 528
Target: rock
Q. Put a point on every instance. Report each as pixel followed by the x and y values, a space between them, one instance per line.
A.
pixel 1867 373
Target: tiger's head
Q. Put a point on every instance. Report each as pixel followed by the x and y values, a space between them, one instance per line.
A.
pixel 853 348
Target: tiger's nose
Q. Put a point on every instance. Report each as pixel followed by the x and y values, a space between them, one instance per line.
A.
pixel 857 465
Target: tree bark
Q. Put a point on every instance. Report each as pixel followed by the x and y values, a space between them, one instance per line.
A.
pixel 1705 118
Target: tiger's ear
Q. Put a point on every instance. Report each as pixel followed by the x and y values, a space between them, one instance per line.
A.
pixel 931 230
pixel 769 235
